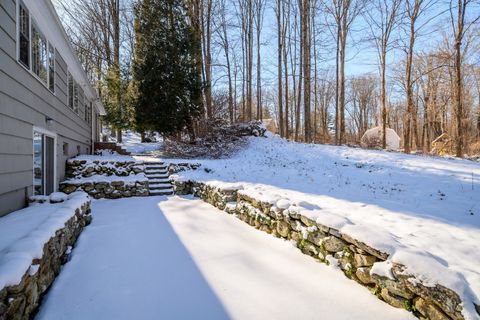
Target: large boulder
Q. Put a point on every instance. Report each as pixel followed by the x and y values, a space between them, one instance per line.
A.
pixel 372 138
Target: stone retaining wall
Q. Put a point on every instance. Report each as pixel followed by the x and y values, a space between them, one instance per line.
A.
pixel 22 300
pixel 111 179
pixel 108 189
pixel 355 258
pixel 83 168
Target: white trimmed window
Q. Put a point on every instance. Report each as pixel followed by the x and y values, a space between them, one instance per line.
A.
pixel 51 67
pixel 24 35
pixel 39 54
pixel 34 51
pixel 71 85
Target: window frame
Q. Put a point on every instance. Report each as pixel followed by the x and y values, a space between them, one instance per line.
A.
pixel 41 36
pixel 29 68
pixel 51 59
pixel 18 42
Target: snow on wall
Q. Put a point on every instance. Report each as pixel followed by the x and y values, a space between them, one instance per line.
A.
pixel 34 243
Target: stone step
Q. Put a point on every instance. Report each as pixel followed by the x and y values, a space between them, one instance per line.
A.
pixel 150 181
pixel 161 187
pixel 147 171
pixel 161 193
pixel 156 168
pixel 154 163
pixel 156 176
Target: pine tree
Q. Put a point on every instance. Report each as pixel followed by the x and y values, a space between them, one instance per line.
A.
pixel 168 85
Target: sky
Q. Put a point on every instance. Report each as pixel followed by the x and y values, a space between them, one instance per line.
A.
pixel 361 53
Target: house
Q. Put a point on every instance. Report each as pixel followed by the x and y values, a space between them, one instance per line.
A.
pixel 49 112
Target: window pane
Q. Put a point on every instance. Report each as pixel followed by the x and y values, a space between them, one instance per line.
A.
pixel 38 163
pixel 75 97
pixel 39 54
pixel 24 36
pixel 51 68
pixel 70 91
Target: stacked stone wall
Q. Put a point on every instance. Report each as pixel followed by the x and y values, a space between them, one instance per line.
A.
pixel 355 258
pixel 21 301
pixel 111 179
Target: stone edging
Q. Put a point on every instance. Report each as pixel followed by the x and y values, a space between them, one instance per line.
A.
pixel 355 258
pixel 108 189
pixel 114 178
pixel 22 300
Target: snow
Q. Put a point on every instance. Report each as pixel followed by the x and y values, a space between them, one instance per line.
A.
pixel 129 180
pixel 105 158
pixel 178 258
pixel 23 234
pixel 131 141
pixel 383 269
pixel 58 197
pixel 422 211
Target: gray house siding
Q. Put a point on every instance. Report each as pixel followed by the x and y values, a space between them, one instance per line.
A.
pixel 25 103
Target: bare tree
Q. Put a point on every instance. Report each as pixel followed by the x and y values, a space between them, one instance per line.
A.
pixel 279 10
pixel 382 20
pixel 460 26
pixel 259 13
pixel 343 13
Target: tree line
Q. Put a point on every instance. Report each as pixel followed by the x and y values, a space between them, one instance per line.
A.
pixel 289 59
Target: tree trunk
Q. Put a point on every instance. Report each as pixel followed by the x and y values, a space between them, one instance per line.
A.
pixel 408 85
pixel 279 66
pixel 307 69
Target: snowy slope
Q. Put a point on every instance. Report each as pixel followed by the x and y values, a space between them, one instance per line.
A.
pixel 131 141
pixel 423 211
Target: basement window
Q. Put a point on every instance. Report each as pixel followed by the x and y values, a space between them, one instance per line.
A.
pixel 65 148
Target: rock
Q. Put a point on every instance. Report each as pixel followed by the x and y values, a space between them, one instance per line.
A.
pixel 363 274
pixel 477 308
pixel 265 228
pixel 283 228
pixel 87 186
pixel 101 185
pixel 447 299
pixel 16 307
pixel 126 194
pixel 295 224
pixel 428 310
pixel 307 221
pixel 308 248
pixel 366 248
pixel 68 188
pixel 397 288
pixel 117 183
pixel 361 260
pixel 335 233
pixel 316 237
pixel 3 309
pixel 393 300
pixel 322 228
pixel 296 236
pixel 333 244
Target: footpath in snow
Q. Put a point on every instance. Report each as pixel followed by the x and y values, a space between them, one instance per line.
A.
pixel 423 211
pixel 178 258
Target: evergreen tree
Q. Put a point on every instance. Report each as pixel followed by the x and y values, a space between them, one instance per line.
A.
pixel 168 87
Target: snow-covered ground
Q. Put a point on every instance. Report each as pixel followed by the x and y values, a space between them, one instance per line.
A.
pixel 423 211
pixel 131 141
pixel 177 258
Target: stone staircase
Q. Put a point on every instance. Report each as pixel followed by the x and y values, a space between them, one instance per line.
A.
pixel 158 179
